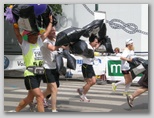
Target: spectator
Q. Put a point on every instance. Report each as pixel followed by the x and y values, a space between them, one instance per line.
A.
pixel 117 51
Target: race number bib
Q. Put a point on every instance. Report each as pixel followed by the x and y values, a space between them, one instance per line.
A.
pixel 37 54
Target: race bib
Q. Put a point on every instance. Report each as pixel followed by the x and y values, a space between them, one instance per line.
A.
pixel 37 54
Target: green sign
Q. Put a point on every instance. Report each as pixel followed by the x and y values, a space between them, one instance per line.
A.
pixel 114 68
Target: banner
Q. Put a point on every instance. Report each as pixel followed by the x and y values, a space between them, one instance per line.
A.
pixel 108 65
pixel 14 62
pixel 99 65
pixel 113 69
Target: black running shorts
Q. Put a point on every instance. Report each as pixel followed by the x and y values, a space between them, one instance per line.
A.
pixel 32 82
pixel 51 76
pixel 125 72
pixel 87 71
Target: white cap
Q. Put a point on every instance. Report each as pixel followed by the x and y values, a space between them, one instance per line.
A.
pixel 129 41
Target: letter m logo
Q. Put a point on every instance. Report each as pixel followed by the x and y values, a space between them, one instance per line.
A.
pixel 114 68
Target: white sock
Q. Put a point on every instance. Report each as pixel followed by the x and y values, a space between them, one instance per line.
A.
pixel 127 86
pixel 83 95
pixel 122 82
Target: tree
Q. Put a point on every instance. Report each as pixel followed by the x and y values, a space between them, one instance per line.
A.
pixel 57 9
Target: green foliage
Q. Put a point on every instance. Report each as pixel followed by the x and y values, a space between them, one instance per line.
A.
pixel 57 9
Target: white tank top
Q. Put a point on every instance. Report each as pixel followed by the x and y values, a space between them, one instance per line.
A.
pixel 89 61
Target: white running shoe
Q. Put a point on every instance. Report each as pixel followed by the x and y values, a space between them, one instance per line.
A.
pixel 84 99
pixel 54 111
pixel 12 111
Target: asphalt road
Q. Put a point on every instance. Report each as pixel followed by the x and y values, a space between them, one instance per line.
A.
pixel 103 99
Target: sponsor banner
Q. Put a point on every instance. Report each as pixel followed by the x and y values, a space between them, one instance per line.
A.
pixel 14 62
pixel 113 69
pixel 109 65
pixel 99 65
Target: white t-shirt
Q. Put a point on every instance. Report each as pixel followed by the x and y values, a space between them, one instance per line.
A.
pixel 127 54
pixel 89 61
pixel 118 54
pixel 48 55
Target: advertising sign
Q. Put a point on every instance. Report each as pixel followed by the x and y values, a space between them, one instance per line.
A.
pixel 108 65
pixel 14 62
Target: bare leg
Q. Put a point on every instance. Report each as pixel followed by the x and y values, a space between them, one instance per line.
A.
pixel 39 98
pixel 90 82
pixel 54 95
pixel 52 89
pixel 138 92
pixel 128 78
pixel 47 91
pixel 25 101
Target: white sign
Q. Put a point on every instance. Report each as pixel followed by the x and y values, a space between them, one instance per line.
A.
pixel 14 62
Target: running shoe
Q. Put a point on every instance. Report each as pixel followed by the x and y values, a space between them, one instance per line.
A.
pixel 114 87
pixel 84 99
pixel 32 106
pixel 45 103
pixel 79 91
pixel 129 101
pixel 48 101
pixel 12 111
pixel 126 93
pixel 54 111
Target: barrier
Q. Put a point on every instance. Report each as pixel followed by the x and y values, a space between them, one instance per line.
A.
pixel 113 68
pixel 14 62
pixel 108 65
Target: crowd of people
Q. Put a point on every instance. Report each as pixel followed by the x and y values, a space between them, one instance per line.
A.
pixel 40 50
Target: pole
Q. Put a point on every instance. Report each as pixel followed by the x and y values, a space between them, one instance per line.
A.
pixel 96 7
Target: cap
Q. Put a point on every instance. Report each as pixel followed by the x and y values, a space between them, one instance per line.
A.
pixel 25 32
pixel 129 41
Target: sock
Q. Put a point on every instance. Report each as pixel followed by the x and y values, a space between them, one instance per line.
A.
pixel 120 82
pixel 127 87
